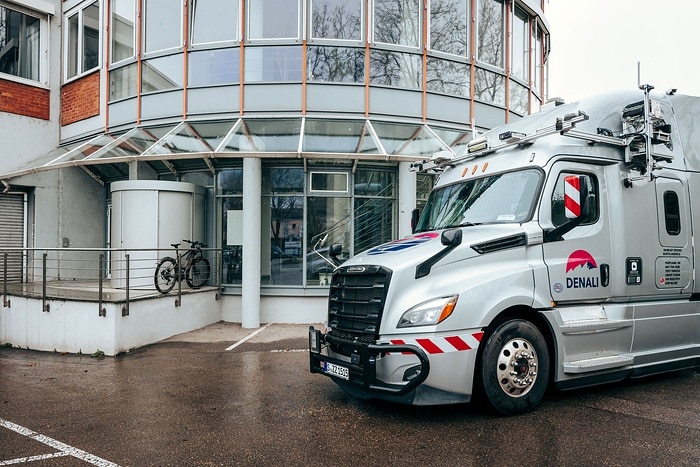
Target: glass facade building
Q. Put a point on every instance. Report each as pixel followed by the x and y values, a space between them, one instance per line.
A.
pixel 321 104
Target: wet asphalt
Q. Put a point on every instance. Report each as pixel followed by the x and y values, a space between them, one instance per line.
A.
pixel 190 401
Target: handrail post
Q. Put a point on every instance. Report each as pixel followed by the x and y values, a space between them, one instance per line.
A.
pixel 45 306
pixel 5 300
pixel 102 311
pixel 125 308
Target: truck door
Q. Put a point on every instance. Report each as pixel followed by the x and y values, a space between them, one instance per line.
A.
pixel 665 321
pixel 578 261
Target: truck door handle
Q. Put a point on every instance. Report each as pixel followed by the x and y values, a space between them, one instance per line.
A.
pixel 604 275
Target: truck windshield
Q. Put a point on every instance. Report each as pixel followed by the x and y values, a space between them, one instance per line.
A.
pixel 503 198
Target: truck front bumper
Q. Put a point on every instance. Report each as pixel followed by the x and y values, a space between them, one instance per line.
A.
pixel 359 375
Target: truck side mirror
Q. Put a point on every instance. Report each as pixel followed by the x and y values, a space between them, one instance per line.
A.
pixel 335 250
pixel 576 206
pixel 451 238
pixel 415 215
pixel 575 196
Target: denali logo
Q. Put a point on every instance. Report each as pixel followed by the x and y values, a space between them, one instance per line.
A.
pixel 356 269
pixel 581 272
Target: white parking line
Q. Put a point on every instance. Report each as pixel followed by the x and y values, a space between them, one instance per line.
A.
pixel 249 336
pixel 64 449
pixel 25 460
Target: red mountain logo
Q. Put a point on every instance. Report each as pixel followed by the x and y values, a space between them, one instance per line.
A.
pixel 580 258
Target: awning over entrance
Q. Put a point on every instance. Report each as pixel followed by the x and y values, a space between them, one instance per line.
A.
pixel 208 145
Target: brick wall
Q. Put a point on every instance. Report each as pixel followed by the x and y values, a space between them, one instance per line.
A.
pixel 80 99
pixel 22 99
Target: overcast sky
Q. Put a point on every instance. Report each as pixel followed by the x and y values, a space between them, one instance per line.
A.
pixel 596 45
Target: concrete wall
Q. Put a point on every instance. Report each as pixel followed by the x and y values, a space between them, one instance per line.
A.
pixel 77 327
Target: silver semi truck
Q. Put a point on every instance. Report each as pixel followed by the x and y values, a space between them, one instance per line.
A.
pixel 558 250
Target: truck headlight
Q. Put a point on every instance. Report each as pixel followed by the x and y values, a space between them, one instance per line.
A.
pixel 429 313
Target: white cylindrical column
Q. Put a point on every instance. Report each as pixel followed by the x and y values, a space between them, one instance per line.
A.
pixel 252 195
pixel 407 198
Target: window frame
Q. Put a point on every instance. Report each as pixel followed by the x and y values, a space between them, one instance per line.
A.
pixel 112 29
pixel 43 52
pixel 391 46
pixel 301 26
pixel 193 45
pixel 444 54
pixel 309 22
pixel 145 52
pixel 502 29
pixel 79 11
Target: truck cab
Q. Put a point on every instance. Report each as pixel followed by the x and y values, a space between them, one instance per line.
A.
pixel 557 250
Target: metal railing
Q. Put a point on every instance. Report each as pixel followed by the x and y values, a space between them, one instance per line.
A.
pixel 92 274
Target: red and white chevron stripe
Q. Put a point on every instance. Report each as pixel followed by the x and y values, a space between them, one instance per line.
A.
pixel 438 345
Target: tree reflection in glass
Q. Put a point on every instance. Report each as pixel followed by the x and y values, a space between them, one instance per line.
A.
pixel 397 22
pixel 395 69
pixel 490 32
pixel 448 77
pixel 448 26
pixel 336 19
pixel 336 64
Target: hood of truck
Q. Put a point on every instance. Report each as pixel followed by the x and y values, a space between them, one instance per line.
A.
pixel 411 251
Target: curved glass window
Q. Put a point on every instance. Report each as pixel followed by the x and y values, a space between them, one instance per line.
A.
pixel 397 22
pixel 123 30
pixel 490 87
pixel 490 32
pixel 448 26
pixel 395 69
pixel 266 64
pixel 273 19
pixel 519 99
pixel 335 64
pixel 212 67
pixel 122 82
pixel 447 77
pixel 537 59
pixel 214 21
pixel 163 25
pixel 520 52
pixel 160 74
pixel 336 19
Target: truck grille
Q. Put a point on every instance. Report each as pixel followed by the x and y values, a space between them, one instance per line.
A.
pixel 356 302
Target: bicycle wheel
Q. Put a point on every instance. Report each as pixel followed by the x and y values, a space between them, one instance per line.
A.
pixel 198 273
pixel 165 275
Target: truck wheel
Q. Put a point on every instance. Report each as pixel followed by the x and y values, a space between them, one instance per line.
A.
pixel 515 367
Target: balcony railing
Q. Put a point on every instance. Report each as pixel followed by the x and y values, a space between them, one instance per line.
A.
pixel 93 274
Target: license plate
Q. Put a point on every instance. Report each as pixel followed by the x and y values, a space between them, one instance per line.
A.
pixel 336 370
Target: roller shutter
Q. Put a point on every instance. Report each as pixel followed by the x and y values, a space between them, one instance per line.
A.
pixel 11 234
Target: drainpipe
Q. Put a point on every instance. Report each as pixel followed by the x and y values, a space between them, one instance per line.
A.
pixel 252 193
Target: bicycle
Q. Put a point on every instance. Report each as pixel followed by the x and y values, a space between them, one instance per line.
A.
pixel 193 267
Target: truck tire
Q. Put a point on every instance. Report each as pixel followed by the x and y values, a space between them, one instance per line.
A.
pixel 514 370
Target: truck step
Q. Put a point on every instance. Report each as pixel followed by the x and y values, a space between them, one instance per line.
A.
pixel 598 363
pixel 593 326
